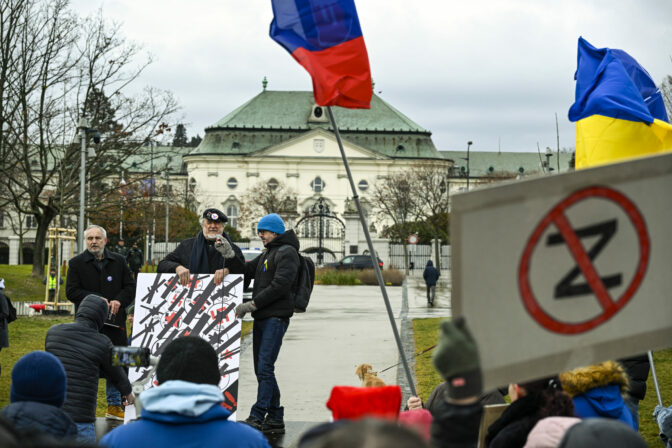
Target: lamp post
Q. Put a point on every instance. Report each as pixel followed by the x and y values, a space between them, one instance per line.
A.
pixel 83 127
pixel 167 205
pixel 549 154
pixel 469 143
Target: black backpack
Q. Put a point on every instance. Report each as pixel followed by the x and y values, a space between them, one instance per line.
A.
pixel 304 284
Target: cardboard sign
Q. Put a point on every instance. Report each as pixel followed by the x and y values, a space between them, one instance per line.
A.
pixel 565 270
pixel 165 310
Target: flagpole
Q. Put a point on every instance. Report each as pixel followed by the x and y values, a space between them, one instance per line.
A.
pixel 374 256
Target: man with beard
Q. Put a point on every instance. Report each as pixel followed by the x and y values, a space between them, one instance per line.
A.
pixel 98 271
pixel 198 255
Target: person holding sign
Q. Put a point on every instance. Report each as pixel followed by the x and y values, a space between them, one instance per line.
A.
pixel 274 273
pixel 198 255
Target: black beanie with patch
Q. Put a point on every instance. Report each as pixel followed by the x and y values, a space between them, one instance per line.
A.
pixel 191 359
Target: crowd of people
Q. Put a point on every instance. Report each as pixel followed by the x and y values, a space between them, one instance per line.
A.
pixel 53 394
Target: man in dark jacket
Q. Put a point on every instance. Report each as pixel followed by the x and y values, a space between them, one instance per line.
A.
pixel 86 354
pixel 37 395
pixel 198 255
pixel 185 410
pixel 135 259
pixel 103 273
pixel 274 273
pixel 431 276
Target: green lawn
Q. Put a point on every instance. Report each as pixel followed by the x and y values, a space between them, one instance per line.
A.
pixel 20 285
pixel 425 332
pixel 27 334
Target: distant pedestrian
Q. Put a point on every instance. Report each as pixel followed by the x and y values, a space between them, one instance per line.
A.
pixel 7 315
pixel 411 266
pixel 121 248
pixel 37 396
pixel 52 280
pixel 135 259
pixel 431 276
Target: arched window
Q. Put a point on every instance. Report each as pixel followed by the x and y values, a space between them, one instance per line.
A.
pixel 272 183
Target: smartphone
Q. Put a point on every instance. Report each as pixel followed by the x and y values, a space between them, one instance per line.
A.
pixel 130 356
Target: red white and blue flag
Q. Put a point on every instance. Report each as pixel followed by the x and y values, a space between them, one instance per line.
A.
pixel 324 36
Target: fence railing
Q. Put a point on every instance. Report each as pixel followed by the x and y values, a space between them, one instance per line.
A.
pixel 418 254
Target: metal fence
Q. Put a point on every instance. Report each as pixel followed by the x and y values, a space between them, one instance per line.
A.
pixel 418 254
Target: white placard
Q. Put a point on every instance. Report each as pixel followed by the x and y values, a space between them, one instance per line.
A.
pixel 165 310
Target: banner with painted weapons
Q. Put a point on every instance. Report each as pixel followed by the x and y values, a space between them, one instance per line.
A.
pixel 165 310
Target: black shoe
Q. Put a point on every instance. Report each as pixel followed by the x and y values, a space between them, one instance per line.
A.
pixel 273 426
pixel 253 422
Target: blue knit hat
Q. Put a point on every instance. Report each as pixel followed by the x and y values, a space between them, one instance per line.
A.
pixel 272 222
pixel 39 376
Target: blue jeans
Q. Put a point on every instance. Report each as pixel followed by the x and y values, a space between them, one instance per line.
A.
pixel 86 432
pixel 113 395
pixel 267 337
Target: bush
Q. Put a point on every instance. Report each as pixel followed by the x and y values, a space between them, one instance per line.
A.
pixel 328 276
pixel 392 277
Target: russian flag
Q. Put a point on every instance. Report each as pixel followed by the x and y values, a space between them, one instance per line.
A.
pixel 324 36
pixel 618 109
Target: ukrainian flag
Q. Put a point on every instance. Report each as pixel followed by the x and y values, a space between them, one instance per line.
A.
pixel 618 110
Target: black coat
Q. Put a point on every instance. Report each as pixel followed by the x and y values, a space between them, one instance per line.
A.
pixel 45 418
pixel 182 254
pixel 637 368
pixel 86 354
pixel 430 274
pixel 274 273
pixel 510 430
pixel 455 426
pixel 113 282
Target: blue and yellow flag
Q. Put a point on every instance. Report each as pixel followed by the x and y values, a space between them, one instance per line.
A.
pixel 618 109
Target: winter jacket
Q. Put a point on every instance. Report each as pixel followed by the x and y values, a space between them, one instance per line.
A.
pixel 4 320
pixel 597 391
pixel 183 414
pixel 274 273
pixel 510 430
pixel 182 254
pixel 85 354
pixel 455 426
pixel 135 259
pixel 35 416
pixel 637 368
pixel 114 282
pixel 431 274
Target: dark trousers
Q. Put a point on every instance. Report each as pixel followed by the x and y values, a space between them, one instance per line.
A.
pixel 267 337
pixel 431 290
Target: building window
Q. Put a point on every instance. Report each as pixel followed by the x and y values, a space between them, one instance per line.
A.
pixel 317 185
pixel 232 214
pixel 232 183
pixel 272 184
pixel 31 222
pixel 318 145
pixel 363 185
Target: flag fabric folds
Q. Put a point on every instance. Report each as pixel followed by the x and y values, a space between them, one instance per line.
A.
pixel 324 36
pixel 618 109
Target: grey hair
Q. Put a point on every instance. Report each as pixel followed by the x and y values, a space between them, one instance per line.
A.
pixel 93 226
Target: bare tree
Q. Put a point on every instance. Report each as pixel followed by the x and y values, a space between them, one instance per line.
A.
pixel 264 197
pixel 395 201
pixel 430 183
pixel 54 69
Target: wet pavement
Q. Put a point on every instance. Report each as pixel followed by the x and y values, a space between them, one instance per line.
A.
pixel 345 326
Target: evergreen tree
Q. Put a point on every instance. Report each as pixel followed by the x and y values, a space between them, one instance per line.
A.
pixel 180 138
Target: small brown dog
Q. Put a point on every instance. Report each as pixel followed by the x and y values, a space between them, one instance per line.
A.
pixel 368 376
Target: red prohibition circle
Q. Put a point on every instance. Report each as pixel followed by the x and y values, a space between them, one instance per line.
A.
pixel 557 217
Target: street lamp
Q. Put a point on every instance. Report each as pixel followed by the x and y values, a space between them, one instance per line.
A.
pixel 83 131
pixel 469 143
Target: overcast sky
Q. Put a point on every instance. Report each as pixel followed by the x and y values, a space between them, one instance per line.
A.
pixel 489 71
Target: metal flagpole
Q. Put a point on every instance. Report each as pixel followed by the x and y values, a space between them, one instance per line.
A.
pixel 374 256
pixel 655 378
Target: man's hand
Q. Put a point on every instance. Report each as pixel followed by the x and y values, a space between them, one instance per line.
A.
pixel 183 274
pixel 114 306
pixel 414 403
pixel 129 399
pixel 219 276
pixel 244 308
pixel 223 247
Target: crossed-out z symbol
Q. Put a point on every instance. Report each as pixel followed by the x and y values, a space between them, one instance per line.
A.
pixel 566 288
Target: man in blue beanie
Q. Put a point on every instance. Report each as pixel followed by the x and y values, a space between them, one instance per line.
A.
pixel 37 395
pixel 274 272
